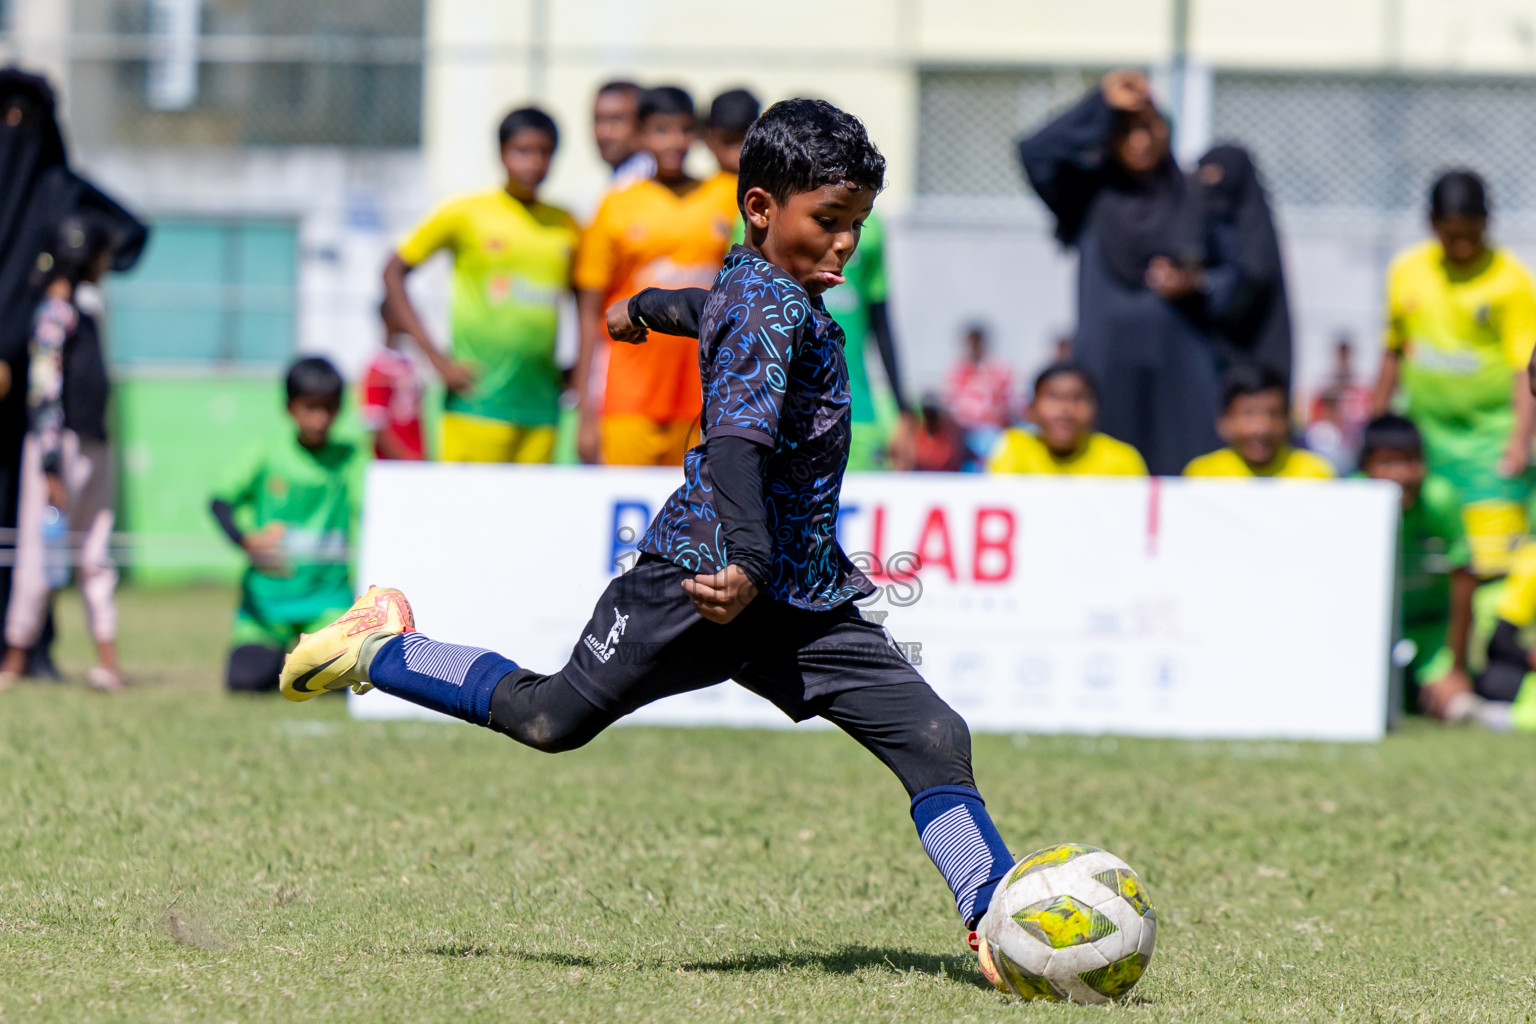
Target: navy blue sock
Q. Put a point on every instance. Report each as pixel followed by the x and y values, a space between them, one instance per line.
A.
pixel 455 680
pixel 959 836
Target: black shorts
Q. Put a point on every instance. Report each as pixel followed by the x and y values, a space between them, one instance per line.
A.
pixel 645 641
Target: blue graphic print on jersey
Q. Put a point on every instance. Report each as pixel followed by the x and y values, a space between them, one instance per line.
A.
pixel 771 362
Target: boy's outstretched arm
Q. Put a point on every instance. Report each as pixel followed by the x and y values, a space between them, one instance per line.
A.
pixel 736 471
pixel 675 311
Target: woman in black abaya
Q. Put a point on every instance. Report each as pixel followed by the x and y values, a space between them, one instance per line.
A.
pixel 1255 324
pixel 1147 279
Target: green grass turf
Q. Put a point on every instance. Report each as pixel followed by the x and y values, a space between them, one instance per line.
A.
pixel 176 854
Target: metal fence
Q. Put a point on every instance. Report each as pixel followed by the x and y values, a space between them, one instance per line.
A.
pixel 245 72
pixel 1324 141
pixel 1377 142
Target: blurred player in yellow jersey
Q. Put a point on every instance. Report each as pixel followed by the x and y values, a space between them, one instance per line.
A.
pixel 1461 321
pixel 1063 409
pixel 670 231
pixel 511 264
pixel 1255 423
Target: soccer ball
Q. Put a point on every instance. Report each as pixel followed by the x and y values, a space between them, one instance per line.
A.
pixel 1070 922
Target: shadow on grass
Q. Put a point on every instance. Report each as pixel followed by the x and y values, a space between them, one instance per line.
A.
pixel 847 960
pixel 842 960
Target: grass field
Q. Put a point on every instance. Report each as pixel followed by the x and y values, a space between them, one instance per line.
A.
pixel 176 854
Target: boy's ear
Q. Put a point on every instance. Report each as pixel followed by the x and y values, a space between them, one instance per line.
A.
pixel 758 207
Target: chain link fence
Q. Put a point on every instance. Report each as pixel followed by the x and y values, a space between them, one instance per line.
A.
pixel 1369 143
pixel 246 72
pixel 968 122
pixel 1377 142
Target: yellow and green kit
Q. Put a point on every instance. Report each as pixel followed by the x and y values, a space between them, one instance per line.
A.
pixel 511 265
pixel 1463 333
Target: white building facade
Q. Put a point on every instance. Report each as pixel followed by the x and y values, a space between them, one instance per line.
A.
pixel 341 122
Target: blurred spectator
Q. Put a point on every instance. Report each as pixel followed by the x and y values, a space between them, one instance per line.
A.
pixel 938 444
pixel 616 130
pixel 1061 349
pixel 31 166
pixel 1255 424
pixel 1063 408
pixel 978 393
pixel 1343 400
pixel 730 115
pixel 1328 435
pixel 68 491
pixel 1254 325
pixel 1147 281
pixel 1461 323
pixel 670 231
pixel 1435 585
pixel 511 263
pixel 292 507
pixel 1342 375
pixel 391 403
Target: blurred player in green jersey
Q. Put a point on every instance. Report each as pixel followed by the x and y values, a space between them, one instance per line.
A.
pixel 1432 558
pixel 859 307
pixel 291 506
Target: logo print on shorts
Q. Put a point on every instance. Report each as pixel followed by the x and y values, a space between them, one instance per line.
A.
pixel 604 649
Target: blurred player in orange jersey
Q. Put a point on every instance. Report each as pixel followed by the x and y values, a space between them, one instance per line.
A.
pixel 668 232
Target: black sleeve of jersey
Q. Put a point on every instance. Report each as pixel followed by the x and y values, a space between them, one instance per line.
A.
pixel 880 327
pixel 669 311
pixel 736 470
pixel 224 515
pixel 1505 645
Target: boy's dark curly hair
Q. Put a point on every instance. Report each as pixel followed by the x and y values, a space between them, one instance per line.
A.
pixel 800 145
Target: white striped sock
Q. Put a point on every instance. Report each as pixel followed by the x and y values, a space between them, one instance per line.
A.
pixel 448 662
pixel 957 847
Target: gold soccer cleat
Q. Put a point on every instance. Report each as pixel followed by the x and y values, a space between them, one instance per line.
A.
pixel 984 958
pixel 328 660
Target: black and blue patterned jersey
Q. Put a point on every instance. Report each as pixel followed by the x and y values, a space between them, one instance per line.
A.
pixel 772 368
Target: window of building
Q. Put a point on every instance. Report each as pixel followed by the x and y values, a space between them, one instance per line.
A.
pixel 237 73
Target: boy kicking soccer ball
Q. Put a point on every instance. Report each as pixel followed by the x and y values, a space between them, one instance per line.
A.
pixel 740 574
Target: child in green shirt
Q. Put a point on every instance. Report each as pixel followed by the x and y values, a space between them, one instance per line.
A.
pixel 291 505
pixel 1433 558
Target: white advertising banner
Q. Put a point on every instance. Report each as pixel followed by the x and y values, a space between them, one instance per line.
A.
pixel 1182 608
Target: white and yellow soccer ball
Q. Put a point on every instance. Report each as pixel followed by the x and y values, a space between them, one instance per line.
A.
pixel 1070 922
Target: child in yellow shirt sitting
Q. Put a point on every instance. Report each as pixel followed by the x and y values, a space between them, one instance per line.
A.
pixel 1064 408
pixel 1255 423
